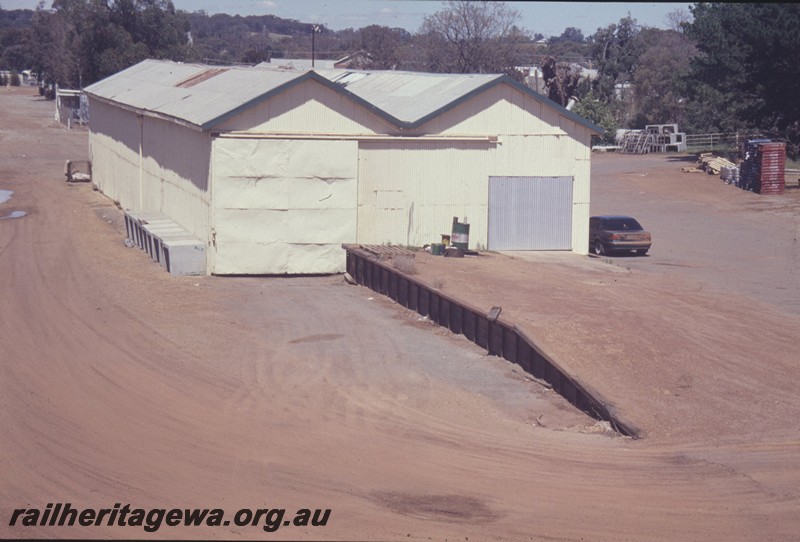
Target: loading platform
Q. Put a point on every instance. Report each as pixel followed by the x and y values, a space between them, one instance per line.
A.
pixel 367 267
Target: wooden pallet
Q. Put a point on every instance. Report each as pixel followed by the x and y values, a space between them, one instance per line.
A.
pixel 384 252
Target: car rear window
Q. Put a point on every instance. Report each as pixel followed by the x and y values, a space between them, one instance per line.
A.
pixel 618 224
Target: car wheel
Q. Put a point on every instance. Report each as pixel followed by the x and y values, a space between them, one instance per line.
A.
pixel 599 248
pixel 641 252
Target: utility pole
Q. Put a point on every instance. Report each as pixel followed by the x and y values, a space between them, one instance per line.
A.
pixel 314 29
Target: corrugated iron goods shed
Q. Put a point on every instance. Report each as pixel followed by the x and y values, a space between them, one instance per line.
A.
pixel 275 169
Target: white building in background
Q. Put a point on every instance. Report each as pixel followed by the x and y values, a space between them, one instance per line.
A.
pixel 72 107
pixel 275 169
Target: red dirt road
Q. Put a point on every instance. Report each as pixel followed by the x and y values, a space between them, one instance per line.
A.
pixel 121 384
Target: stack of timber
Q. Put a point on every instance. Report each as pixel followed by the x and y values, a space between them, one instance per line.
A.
pixel 792 178
pixel 713 164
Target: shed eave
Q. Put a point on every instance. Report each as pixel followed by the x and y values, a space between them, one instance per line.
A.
pixel 144 112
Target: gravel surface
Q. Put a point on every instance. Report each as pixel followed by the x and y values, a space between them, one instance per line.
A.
pixel 121 384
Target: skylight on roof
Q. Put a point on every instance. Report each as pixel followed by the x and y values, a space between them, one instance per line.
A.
pixel 348 77
pixel 198 78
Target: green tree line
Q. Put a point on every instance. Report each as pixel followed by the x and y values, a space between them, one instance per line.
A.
pixel 720 67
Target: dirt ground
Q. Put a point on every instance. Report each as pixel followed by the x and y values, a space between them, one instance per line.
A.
pixel 121 384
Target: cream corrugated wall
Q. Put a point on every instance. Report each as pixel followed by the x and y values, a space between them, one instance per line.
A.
pixel 148 164
pixel 114 152
pixel 536 141
pixel 312 108
pixel 283 207
pixel 175 174
pixel 409 192
pixel 308 108
pixel 499 110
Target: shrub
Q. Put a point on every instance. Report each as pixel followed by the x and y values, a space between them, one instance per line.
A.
pixel 405 264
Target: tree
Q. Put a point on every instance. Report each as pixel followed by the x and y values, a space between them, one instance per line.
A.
pixel 715 86
pixel 600 113
pixel 615 51
pixel 82 41
pixel 569 34
pixel 57 34
pixel 561 81
pixel 14 49
pixel 383 45
pixel 659 79
pixel 471 37
pixel 562 50
pixel 678 19
pixel 154 23
pixel 258 50
pixel 744 73
pixel 15 40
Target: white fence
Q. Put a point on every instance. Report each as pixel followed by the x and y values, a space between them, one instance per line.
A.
pixel 717 140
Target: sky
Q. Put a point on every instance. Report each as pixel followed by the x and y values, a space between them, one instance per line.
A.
pixel 548 18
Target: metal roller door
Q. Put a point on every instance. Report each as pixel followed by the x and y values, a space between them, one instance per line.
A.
pixel 530 213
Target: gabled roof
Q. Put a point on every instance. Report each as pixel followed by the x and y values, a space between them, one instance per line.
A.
pixel 409 97
pixel 205 96
pixel 192 93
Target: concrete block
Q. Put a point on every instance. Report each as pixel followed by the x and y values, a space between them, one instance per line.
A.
pixel 154 234
pixel 166 242
pixel 152 229
pixel 185 256
pixel 164 237
pixel 134 222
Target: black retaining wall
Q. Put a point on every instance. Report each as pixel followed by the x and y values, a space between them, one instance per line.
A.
pixel 498 337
